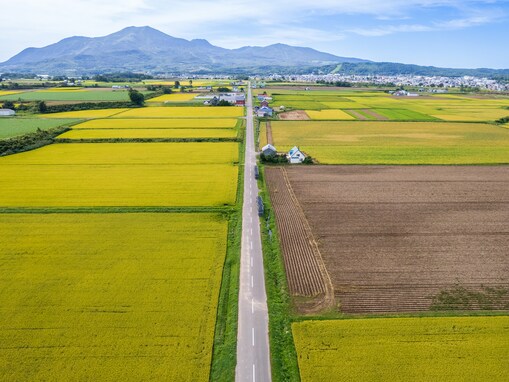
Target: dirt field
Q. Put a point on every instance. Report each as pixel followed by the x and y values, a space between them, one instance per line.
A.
pixel 375 115
pixel 402 239
pixel 306 274
pixel 357 115
pixel 295 115
pixel 268 129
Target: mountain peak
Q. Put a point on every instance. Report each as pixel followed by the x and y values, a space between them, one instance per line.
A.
pixel 143 48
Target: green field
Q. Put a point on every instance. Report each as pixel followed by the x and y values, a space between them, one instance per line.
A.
pixel 383 142
pixel 13 127
pixel 404 349
pixel 426 107
pixel 121 175
pixel 109 297
pixel 69 95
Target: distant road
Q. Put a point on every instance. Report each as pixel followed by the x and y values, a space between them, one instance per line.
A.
pixel 253 354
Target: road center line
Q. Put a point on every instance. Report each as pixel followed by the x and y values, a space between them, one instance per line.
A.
pixel 252 282
pixel 254 373
pixel 252 335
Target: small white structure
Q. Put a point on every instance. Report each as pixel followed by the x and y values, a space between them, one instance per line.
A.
pixel 295 156
pixel 7 112
pixel 269 150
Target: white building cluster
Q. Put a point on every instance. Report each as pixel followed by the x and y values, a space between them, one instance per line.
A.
pixel 399 80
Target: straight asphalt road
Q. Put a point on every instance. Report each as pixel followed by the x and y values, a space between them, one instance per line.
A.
pixel 253 355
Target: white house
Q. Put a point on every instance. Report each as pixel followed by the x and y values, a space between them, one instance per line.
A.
pixel 269 150
pixel 295 156
pixel 7 112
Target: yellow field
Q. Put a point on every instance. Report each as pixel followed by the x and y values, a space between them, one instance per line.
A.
pixel 9 92
pixel 148 133
pixel 183 112
pixel 328 114
pixel 404 349
pixel 161 123
pixel 479 115
pixel 67 90
pixel 109 297
pixel 121 174
pixel 377 142
pixel 85 114
pixel 174 97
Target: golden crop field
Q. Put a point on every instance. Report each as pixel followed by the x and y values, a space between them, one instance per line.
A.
pixel 121 174
pixel 404 349
pixel 328 114
pixel 183 112
pixel 110 297
pixel 174 97
pixel 85 114
pixel 158 123
pixel 63 89
pixel 10 92
pixel 148 133
pixel 384 142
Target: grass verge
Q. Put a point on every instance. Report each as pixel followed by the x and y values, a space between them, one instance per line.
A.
pixel 282 348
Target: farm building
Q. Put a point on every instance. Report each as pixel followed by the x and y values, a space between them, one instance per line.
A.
pixel 233 98
pixel 269 150
pixel 263 97
pixel 264 111
pixel 295 156
pixel 7 112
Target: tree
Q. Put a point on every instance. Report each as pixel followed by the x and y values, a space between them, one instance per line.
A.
pixel 8 105
pixel 223 90
pixel 177 84
pixel 136 97
pixel 41 107
pixel 190 83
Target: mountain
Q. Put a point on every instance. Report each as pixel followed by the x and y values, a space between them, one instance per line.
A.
pixel 147 49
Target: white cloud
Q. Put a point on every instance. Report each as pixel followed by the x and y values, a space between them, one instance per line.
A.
pixel 232 22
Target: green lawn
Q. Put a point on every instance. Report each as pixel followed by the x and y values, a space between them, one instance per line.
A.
pixel 13 127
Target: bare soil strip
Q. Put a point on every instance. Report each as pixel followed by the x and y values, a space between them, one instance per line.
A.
pixel 306 273
pixel 294 115
pixel 357 115
pixel 268 128
pixel 375 114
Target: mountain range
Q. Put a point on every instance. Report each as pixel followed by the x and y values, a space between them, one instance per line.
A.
pixel 145 49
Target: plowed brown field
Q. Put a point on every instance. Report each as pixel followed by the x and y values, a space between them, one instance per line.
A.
pixel 403 239
pixel 304 266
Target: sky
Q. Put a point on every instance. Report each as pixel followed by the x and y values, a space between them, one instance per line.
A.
pixel 445 33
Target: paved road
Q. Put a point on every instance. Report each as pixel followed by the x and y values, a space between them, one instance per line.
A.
pixel 253 360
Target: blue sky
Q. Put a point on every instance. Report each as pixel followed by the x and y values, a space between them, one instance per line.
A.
pixel 449 33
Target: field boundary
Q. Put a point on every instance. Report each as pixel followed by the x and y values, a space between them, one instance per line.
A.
pixel 284 362
pixel 268 131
